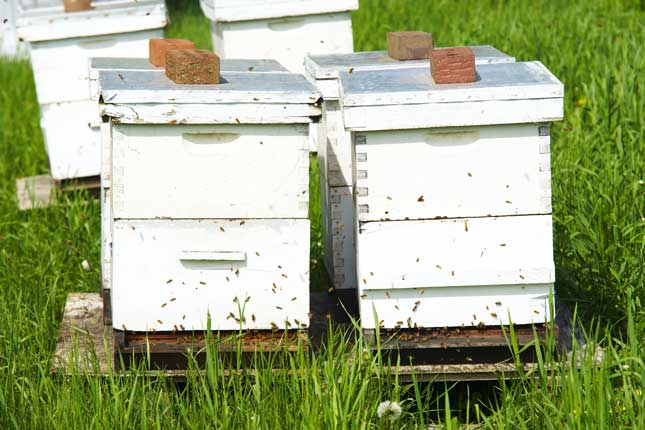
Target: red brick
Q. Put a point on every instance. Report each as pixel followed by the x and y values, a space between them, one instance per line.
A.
pixel 77 5
pixel 158 47
pixel 453 65
pixel 192 66
pixel 409 45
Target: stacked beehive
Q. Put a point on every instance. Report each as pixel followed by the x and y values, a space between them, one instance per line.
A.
pixel 284 30
pixel 335 155
pixel 453 194
pixel 99 65
pixel 60 45
pixel 207 190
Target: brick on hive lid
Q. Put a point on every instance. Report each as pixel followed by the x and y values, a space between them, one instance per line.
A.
pixel 192 66
pixel 453 65
pixel 157 49
pixel 77 5
pixel 409 45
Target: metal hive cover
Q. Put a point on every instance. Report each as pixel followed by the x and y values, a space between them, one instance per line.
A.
pixel 136 87
pixel 328 66
pixel 244 10
pixel 510 81
pixel 227 65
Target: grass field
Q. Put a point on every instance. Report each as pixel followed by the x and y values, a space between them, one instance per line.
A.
pixel 596 48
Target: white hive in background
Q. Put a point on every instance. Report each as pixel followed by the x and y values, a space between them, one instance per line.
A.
pixel 208 200
pixel 453 195
pixel 335 150
pixel 60 46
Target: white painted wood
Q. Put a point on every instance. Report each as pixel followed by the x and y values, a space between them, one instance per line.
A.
pixel 470 262
pixel 286 39
pixel 455 172
pixel 153 289
pixel 106 155
pixel 39 22
pixel 459 114
pixel 480 251
pixel 98 65
pixel 247 10
pixel 10 45
pixel 106 238
pixel 473 306
pixel 339 234
pixel 337 154
pixel 72 139
pixel 506 81
pixel 139 87
pixel 225 113
pixel 61 66
pixel 227 171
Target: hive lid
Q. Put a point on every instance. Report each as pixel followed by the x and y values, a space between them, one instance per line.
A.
pixel 138 87
pixel 329 66
pixel 41 20
pixel 508 93
pixel 245 10
pixel 226 65
pixel 507 81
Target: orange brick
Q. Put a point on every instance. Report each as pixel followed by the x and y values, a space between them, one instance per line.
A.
pixel 453 65
pixel 159 47
pixel 192 66
pixel 77 5
pixel 409 45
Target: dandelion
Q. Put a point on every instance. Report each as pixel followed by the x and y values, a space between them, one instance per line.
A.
pixel 86 265
pixel 389 411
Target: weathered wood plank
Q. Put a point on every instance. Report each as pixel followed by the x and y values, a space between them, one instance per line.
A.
pixel 38 192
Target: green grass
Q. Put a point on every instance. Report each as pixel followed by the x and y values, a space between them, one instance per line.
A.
pixel 598 161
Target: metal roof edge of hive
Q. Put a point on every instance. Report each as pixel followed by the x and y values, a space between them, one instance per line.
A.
pixel 328 66
pixel 506 81
pixel 227 65
pixel 139 97
pixel 248 10
pixel 137 87
pixel 111 18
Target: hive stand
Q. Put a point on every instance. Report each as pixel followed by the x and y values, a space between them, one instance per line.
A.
pixel 38 192
pixel 476 354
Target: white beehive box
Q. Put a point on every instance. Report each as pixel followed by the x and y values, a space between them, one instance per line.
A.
pixel 284 30
pixel 98 65
pixel 207 198
pixel 60 47
pixel 10 45
pixel 453 195
pixel 335 154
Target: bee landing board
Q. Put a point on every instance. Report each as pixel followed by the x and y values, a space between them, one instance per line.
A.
pixel 453 195
pixel 60 46
pixel 234 241
pixel 284 30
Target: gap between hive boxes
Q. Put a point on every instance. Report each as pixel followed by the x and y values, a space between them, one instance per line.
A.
pixel 86 344
pixel 42 191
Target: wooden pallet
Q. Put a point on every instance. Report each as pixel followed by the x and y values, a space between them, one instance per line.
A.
pixel 37 192
pixel 437 355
